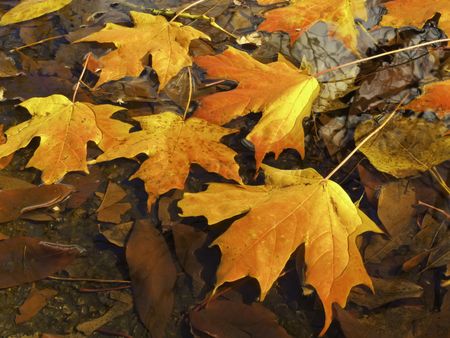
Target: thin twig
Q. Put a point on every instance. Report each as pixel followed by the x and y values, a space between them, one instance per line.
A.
pixel 74 279
pixel 391 115
pixel 332 69
pixel 80 78
pixel 186 8
pixel 38 42
pixel 88 290
pixel 190 94
pixel 443 212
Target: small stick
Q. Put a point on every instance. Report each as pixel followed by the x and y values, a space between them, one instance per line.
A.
pixel 332 69
pixel 37 42
pixel 391 115
pixel 74 279
pixel 186 8
pixel 80 78
pixel 121 287
pixel 190 94
pixel 434 208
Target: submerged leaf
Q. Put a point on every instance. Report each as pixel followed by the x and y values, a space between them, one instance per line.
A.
pixel 294 207
pixel 406 146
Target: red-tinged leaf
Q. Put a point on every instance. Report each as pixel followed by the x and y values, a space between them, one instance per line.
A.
pixel 225 318
pixel 27 259
pixel 15 202
pixel 153 276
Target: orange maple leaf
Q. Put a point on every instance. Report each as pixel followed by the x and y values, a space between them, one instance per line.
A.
pixel 435 97
pixel 172 145
pixel 294 207
pixel 282 92
pixel 167 42
pixel 416 13
pixel 300 15
pixel 64 128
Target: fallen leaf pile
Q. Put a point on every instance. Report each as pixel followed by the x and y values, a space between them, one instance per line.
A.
pixel 206 181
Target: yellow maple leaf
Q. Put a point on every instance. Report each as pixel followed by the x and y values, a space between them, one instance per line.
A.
pixel 64 128
pixel 31 9
pixel 172 145
pixel 282 92
pixel 167 42
pixel 300 15
pixel 435 97
pixel 416 13
pixel 406 146
pixel 294 207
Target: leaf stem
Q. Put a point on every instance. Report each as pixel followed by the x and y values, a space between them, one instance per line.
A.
pixel 80 78
pixel 195 3
pixel 190 94
pixel 38 42
pixel 332 69
pixel 434 208
pixel 373 133
pixel 73 279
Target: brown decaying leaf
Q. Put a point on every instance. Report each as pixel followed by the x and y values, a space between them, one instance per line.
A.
pixel 85 186
pixel 3 236
pixel 187 241
pixel 283 93
pixel 406 146
pixel 123 304
pixel 386 291
pixel 27 259
pixel 226 318
pixel 35 301
pixel 110 210
pixel 13 183
pixel 7 66
pixel 396 212
pixel 15 202
pixel 172 145
pixel 153 276
pixel 63 147
pixel 118 233
pixel 294 207
pixel 167 43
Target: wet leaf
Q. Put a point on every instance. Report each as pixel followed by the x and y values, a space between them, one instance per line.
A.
pixel 406 146
pixel 282 92
pixel 7 66
pixel 416 13
pixel 294 207
pixel 167 43
pixel 123 304
pixel 153 276
pixel 31 9
pixel 4 161
pixel 110 210
pixel 62 147
pixel 15 202
pixel 35 301
pixel 435 97
pixel 27 259
pixel 172 145
pixel 118 233
pixel 300 15
pixel 226 318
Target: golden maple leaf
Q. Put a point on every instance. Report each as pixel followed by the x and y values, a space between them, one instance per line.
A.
pixel 282 92
pixel 167 42
pixel 294 207
pixel 64 128
pixel 31 9
pixel 435 97
pixel 406 146
pixel 300 15
pixel 416 13
pixel 172 145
